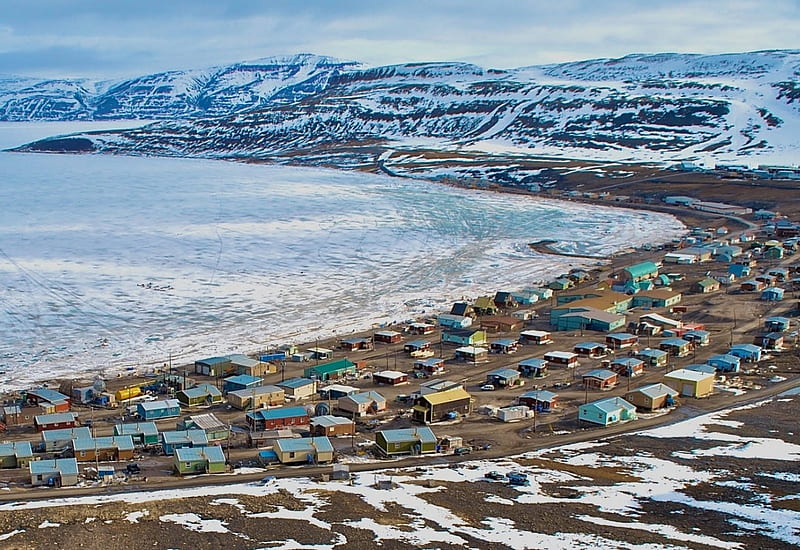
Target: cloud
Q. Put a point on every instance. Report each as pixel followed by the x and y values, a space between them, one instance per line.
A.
pixel 100 38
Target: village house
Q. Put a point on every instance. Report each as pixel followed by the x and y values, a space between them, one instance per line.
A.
pixel 621 340
pixel 538 337
pixel 14 415
pixel 356 344
pixel 656 298
pixel 104 449
pixel 199 460
pixel 533 368
pixel 333 370
pixel 600 379
pixel 605 412
pixel 628 366
pixel 583 317
pixel 417 345
pixel 772 294
pixel 179 439
pixel 592 350
pixel 485 305
pixel 143 434
pixel 725 362
pixel 281 417
pixel 724 278
pixel 502 378
pixel 200 395
pixel 653 357
pixel 335 391
pixel 504 345
pixel 564 359
pixel 421 329
pixel 503 300
pixel 441 405
pixel 430 365
pixel 388 337
pixel 59 472
pixel 471 354
pixel 690 383
pixel 676 347
pixel 156 410
pixel 464 309
pixel 776 324
pixel 215 429
pixel 749 353
pixel 319 354
pixel 698 337
pixel 214 366
pixel 241 364
pixel 406 441
pixel 362 404
pixel 652 397
pixel 390 377
pixel 466 337
pixel 256 398
pixel 769 340
pixel 55 421
pixel 706 285
pixel 304 450
pixel 639 272
pixel 296 389
pixel 240 382
pixel 448 320
pixel 57 440
pixel 539 400
pixel 331 426
pixel 501 323
pixel 49 400
pixel 15 454
pixel 438 385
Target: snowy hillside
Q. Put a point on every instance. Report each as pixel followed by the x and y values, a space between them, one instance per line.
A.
pixel 317 110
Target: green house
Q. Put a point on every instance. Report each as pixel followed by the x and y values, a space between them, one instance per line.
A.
pixel 406 441
pixel 15 454
pixel 199 460
pixel 639 272
pixel 142 433
pixel 204 394
pixel 331 370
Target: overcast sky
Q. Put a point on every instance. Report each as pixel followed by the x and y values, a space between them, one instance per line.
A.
pixel 120 38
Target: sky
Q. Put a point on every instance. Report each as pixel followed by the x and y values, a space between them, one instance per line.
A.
pixel 118 39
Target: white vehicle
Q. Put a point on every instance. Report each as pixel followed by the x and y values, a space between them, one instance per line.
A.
pixel 488 387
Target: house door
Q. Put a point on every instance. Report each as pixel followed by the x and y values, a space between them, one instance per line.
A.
pixel 688 390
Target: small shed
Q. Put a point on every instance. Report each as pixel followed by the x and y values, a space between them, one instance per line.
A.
pixel 539 400
pixel 320 354
pixel 776 324
pixel 533 368
pixel 241 382
pixel 512 413
pixel 621 340
pixel 501 323
pixel 356 344
pixel 59 472
pixel 406 441
pixel 652 397
pixel 199 460
pixel 200 395
pixel 772 294
pixel 690 383
pixel 304 450
pixel 417 345
pixel 600 379
pixel 421 328
pixel 769 340
pixel 605 412
pixel 725 362
pixel 335 391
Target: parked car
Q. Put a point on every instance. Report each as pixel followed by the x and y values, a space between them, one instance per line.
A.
pixel 462 450
pixel 488 387
pixel 494 474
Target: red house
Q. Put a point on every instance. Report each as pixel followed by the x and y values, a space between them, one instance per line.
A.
pixel 388 337
pixel 600 379
pixel 55 421
pixel 273 419
pixel 390 377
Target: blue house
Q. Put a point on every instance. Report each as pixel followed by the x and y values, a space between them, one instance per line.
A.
pixel 776 324
pixel 739 270
pixel 155 410
pixel 697 367
pixel 725 362
pixel 699 337
pixel 749 353
pixel 240 382
pixel 653 357
pixel 502 377
pixel 772 294
pixel 533 368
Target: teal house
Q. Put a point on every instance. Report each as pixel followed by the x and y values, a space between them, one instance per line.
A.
pixel 142 433
pixel 639 272
pixel 331 370
pixel 605 412
pixel 179 439
pixel 156 410
pixel 199 460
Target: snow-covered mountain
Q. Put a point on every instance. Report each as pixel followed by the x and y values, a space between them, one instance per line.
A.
pixel 318 110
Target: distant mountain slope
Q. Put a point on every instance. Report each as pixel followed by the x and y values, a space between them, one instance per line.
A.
pixel 315 109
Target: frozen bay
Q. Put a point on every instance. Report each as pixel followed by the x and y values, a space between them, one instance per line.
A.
pixel 109 263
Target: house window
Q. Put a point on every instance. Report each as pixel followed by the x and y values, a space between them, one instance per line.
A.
pixel 83 453
pixel 291 454
pixel 600 416
pixel 188 465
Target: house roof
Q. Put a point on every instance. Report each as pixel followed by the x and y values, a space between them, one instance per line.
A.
pixel 589 345
pixel 364 397
pixel 121 442
pixel 47 394
pixel 446 396
pixel 194 437
pixel 294 383
pixel 504 373
pixel 701 368
pixel 679 342
pixel 195 454
pixel 535 333
pixel 532 362
pixel 258 390
pixel 65 466
pixel 601 374
pixel 560 354
pixel 627 361
pixel 652 352
pixel 214 361
pixel 423 434
pixel 208 421
pixel 281 412
pixel 333 366
pixel 63 434
pixel 594 314
pixel 330 420
pixel 656 390
pixel 393 374
pixel 725 358
pixel 689 375
pixel 243 361
pixel 641 269
pixel 159 405
pixel 243 379
pixel 539 395
pixel 319 444
pixel 55 418
pixel 622 336
pixel 136 428
pixel 612 404
pixel 749 348
pixel 20 449
pixel 202 390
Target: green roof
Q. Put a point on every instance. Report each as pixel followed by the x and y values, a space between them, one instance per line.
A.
pixel 333 366
pixel 642 269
